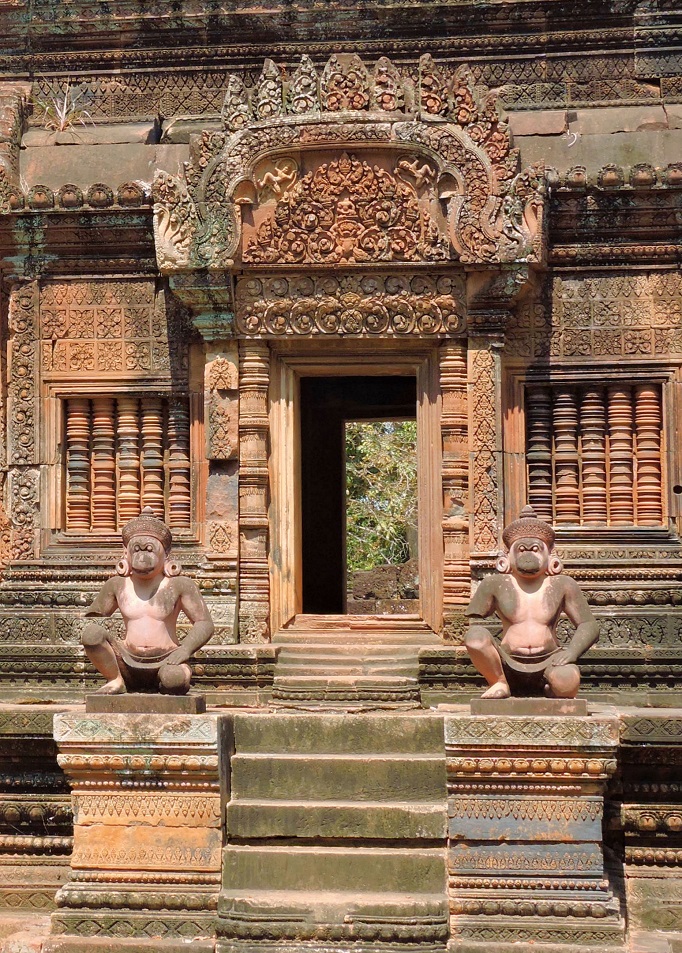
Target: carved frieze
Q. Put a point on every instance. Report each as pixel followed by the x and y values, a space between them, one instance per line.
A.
pixel 356 305
pixel 118 327
pixel 627 316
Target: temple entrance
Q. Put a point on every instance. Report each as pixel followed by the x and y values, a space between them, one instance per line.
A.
pixel 332 413
pixel 314 398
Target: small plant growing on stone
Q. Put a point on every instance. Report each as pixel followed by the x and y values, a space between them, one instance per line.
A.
pixel 65 109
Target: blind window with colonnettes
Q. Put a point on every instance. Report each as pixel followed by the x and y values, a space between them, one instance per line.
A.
pixel 124 453
pixel 594 453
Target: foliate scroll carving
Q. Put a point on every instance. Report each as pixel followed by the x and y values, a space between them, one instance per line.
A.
pixel 345 84
pixel 350 305
pixel 269 92
pixel 13 110
pixel 485 472
pixel 480 200
pixel 23 329
pixel 348 211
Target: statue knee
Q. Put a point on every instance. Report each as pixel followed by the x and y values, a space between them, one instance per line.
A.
pixel 563 681
pixel 477 638
pixel 175 679
pixel 93 635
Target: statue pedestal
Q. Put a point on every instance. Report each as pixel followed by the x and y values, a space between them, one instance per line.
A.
pixel 147 807
pixel 525 857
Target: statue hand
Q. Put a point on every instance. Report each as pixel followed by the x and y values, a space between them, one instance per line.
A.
pixel 562 657
pixel 177 656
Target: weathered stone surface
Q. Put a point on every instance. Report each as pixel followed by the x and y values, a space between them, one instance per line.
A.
pixel 90 135
pixel 84 165
pixel 138 703
pixel 528 706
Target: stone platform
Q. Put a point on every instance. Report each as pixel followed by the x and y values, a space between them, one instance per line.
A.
pixel 345 832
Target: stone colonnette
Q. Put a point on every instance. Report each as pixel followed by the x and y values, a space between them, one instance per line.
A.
pixel 147 832
pixel 525 806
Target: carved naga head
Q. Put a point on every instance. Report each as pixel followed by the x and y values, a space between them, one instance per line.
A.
pixel 530 544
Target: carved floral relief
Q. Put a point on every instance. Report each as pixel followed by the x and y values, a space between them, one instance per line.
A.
pixel 364 305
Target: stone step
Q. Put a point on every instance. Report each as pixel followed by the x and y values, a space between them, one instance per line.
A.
pixel 352 649
pixel 332 906
pixel 321 682
pixel 301 637
pixel 304 667
pixel 358 869
pixel 330 733
pixel 360 777
pixel 378 820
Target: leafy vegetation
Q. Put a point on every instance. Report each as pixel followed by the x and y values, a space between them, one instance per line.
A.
pixel 381 492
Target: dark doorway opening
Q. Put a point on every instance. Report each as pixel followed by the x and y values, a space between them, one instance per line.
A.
pixel 326 404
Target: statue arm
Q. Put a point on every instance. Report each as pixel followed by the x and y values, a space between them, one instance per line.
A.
pixel 578 611
pixel 196 610
pixel 105 602
pixel 484 600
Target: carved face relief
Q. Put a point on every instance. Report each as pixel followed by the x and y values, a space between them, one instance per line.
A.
pixel 146 556
pixel 529 557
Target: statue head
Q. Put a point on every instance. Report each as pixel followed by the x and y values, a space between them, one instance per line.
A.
pixel 147 541
pixel 530 542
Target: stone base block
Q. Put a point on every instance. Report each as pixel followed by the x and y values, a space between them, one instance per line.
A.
pixel 285 917
pixel 528 706
pixel 72 944
pixel 527 935
pixel 139 703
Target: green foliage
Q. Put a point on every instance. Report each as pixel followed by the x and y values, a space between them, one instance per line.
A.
pixel 61 111
pixel 381 492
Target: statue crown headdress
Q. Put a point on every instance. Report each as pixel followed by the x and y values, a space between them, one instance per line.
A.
pixel 146 524
pixel 527 525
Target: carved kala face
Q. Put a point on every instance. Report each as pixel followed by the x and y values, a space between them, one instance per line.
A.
pixel 146 556
pixel 529 557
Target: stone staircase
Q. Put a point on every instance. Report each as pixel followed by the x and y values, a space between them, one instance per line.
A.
pixel 336 831
pixel 350 662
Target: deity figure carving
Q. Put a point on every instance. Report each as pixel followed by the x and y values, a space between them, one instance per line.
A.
pixel 529 595
pixel 149 592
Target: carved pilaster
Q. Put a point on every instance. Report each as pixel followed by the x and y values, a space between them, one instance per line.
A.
pixel 254 583
pixel 539 454
pixel 621 475
pixel 593 438
pixel 455 435
pixel 648 450
pixel 485 442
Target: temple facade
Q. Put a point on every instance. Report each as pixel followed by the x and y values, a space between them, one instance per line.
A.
pixel 214 218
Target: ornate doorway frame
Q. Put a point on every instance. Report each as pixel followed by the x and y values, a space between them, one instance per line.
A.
pixel 289 362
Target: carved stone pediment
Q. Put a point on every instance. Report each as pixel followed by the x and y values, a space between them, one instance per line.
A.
pixel 351 166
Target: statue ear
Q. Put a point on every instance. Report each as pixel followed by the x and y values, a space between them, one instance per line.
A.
pixel 554 566
pixel 503 564
pixel 171 568
pixel 123 566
